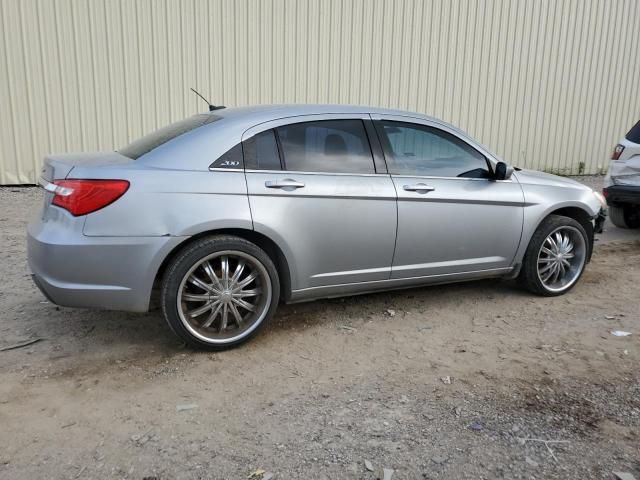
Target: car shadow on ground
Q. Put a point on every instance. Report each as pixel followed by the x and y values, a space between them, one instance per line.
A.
pixel 378 305
pixel 80 332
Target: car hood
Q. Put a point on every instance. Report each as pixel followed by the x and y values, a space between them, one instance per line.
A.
pixel 533 177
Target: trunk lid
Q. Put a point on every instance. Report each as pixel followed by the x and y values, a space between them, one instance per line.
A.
pixel 58 167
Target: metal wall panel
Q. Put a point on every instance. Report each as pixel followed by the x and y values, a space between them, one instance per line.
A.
pixel 546 84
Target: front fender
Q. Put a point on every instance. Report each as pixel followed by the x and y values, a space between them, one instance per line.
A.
pixel 542 201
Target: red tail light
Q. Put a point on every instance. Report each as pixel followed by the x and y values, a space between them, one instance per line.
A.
pixel 617 152
pixel 81 197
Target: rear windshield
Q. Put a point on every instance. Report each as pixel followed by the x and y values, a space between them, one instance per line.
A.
pixel 149 142
pixel 634 134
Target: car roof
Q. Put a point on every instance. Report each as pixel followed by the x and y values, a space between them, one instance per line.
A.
pixel 261 113
pixel 249 116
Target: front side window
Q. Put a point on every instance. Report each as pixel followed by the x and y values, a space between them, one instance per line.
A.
pixel 412 149
pixel 331 146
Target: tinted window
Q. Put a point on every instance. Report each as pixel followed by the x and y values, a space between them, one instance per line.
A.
pixel 230 159
pixel 412 149
pixel 261 152
pixel 333 146
pixel 149 142
pixel 634 134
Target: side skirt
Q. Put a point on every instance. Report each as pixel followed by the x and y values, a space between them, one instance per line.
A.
pixel 350 289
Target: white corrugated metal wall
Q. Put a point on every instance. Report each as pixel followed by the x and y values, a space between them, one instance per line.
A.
pixel 546 84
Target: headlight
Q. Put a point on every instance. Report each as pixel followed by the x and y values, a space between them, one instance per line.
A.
pixel 601 199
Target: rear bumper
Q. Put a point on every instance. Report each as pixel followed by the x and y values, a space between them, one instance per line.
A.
pixel 114 273
pixel 616 194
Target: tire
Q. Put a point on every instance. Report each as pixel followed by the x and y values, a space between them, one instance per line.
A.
pixel 624 216
pixel 207 311
pixel 537 263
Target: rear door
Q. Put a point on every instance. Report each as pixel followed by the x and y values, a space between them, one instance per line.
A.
pixel 452 217
pixel 314 189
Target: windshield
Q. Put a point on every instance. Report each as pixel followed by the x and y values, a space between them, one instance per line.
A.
pixel 153 140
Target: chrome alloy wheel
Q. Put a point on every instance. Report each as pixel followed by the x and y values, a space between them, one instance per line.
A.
pixel 561 258
pixel 224 297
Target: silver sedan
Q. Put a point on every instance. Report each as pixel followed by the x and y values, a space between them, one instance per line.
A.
pixel 225 214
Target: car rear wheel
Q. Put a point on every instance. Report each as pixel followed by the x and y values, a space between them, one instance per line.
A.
pixel 625 216
pixel 219 291
pixel 556 256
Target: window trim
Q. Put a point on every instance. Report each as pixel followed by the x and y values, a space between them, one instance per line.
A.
pixel 301 172
pixel 283 165
pixel 379 163
pixel 220 169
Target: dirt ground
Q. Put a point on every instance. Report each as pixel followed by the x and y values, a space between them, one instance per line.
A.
pixel 457 381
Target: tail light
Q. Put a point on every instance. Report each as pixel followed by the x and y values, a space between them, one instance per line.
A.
pixel 617 152
pixel 81 197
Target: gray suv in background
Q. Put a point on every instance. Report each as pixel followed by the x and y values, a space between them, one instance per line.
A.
pixel 225 214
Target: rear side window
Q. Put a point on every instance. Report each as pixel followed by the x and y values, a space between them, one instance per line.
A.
pixel 331 146
pixel 634 134
pixel 412 149
pixel 152 141
pixel 261 152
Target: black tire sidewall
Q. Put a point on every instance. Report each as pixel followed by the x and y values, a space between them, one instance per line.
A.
pixel 529 274
pixel 625 216
pixel 191 254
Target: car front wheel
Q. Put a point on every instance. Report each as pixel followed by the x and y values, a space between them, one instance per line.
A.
pixel 219 291
pixel 556 256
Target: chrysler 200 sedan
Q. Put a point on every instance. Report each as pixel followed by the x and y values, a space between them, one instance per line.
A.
pixel 225 214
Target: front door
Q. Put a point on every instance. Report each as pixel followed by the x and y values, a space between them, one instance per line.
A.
pixel 313 188
pixel 452 217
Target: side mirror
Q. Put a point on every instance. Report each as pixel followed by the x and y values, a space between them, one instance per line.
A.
pixel 503 171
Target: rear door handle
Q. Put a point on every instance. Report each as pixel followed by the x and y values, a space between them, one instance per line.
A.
pixel 419 187
pixel 286 184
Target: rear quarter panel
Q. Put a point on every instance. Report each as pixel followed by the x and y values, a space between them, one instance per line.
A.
pixel 163 202
pixel 173 192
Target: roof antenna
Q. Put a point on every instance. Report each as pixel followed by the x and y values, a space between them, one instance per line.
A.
pixel 211 106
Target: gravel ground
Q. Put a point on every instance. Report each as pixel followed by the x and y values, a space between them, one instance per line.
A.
pixel 457 381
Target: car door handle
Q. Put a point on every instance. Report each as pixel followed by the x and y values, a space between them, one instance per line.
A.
pixel 286 184
pixel 419 187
